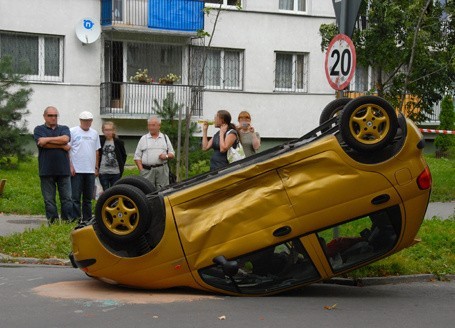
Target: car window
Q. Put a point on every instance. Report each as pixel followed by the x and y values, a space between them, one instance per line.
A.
pixel 273 268
pixel 362 239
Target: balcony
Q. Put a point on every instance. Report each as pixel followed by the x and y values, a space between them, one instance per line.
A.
pixel 120 100
pixel 170 15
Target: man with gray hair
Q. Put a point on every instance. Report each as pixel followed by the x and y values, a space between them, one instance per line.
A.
pixel 153 151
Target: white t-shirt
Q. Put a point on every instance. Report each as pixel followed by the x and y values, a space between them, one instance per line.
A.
pixel 84 145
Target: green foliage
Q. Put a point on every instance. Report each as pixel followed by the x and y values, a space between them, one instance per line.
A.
pixel 202 34
pixel 169 113
pixel 13 102
pixel 387 44
pixel 327 32
pixel 444 142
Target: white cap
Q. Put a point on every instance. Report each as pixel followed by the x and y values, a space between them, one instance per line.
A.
pixel 86 116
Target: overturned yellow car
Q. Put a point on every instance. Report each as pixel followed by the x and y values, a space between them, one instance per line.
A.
pixel 348 193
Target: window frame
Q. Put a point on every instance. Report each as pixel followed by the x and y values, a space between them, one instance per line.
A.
pixel 222 84
pixel 41 76
pixel 296 6
pixel 224 5
pixel 305 72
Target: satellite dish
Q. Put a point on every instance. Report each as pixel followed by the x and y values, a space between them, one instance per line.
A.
pixel 88 30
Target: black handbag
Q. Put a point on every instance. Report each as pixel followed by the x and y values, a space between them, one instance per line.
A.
pixel 172 176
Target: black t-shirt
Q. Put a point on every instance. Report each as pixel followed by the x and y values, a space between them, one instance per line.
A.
pixel 52 161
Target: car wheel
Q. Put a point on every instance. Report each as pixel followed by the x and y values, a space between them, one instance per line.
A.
pixel 368 123
pixel 139 182
pixel 122 214
pixel 333 108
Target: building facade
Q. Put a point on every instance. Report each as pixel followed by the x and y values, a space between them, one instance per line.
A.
pixel 265 58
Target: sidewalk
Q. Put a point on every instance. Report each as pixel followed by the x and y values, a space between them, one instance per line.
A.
pixel 18 223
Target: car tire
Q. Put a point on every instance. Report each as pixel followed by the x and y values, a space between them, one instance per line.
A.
pixel 368 124
pixel 122 214
pixel 333 108
pixel 139 182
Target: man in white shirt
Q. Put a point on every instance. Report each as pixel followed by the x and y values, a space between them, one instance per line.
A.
pixel 84 154
pixel 152 153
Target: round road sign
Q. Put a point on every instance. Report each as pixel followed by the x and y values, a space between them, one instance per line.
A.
pixel 340 62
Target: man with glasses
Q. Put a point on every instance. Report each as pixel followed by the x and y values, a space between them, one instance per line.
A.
pixel 54 167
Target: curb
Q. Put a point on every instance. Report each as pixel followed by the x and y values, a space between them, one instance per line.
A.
pixel 31 260
pixel 389 280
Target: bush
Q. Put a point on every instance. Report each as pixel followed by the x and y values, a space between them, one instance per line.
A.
pixel 444 142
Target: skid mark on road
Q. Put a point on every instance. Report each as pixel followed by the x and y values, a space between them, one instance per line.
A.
pixel 107 296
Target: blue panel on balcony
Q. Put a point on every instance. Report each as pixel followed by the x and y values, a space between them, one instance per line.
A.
pixel 106 12
pixel 181 15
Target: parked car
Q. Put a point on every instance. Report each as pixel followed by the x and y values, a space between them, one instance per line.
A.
pixel 350 192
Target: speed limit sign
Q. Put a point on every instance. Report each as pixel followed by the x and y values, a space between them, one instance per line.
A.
pixel 340 62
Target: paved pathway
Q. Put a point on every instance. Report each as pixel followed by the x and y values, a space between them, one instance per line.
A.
pixel 18 223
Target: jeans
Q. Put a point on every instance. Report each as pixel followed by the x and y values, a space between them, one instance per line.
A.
pixel 49 185
pixel 108 180
pixel 83 185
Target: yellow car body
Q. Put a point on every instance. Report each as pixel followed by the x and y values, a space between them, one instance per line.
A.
pixel 267 224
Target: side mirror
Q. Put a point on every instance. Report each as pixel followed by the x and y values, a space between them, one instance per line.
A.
pixel 230 268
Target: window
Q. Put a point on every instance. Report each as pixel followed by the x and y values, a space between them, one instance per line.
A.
pixel 360 79
pixel 291 72
pixel 232 3
pixel 158 59
pixel 292 5
pixel 118 10
pixel 362 239
pixel 38 58
pixel 273 268
pixel 223 68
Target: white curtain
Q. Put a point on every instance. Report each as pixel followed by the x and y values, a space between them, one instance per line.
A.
pixel 283 72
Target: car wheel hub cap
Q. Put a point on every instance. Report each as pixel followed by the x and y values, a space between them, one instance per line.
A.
pixel 120 215
pixel 369 124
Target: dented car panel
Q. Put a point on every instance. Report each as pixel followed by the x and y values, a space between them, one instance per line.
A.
pixel 299 213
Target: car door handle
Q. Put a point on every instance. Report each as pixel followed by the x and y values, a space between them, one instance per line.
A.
pixel 283 231
pixel 381 199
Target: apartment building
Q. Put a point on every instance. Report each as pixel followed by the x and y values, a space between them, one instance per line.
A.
pixel 264 57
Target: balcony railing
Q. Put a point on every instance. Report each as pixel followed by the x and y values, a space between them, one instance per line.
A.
pixel 136 100
pixel 176 15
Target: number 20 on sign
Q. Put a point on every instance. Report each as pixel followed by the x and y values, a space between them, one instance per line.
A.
pixel 340 62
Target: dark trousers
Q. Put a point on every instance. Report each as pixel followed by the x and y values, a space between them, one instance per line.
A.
pixel 82 185
pixel 108 180
pixel 49 186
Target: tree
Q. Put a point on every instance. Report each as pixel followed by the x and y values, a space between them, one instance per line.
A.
pixel 407 45
pixel 169 112
pixel 444 142
pixel 13 102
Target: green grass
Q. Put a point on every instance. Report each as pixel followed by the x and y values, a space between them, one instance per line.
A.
pixel 443 174
pixel 42 242
pixel 435 254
